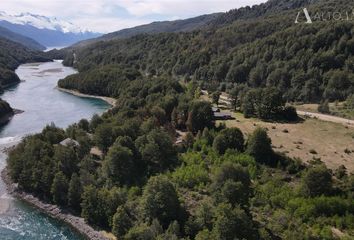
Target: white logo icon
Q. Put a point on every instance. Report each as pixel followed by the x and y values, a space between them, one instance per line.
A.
pixel 307 15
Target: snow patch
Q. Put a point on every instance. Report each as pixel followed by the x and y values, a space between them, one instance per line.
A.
pixel 42 22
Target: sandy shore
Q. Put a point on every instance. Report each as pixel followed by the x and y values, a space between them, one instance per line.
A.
pixel 109 100
pixel 54 211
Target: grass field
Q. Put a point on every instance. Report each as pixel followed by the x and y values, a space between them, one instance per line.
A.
pixel 332 143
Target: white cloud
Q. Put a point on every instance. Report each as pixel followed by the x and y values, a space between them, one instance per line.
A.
pixel 183 7
pixel 108 24
pixel 103 16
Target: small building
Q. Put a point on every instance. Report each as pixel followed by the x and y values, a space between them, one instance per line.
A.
pixel 204 92
pixel 215 109
pixel 69 142
pixel 222 116
pixel 96 152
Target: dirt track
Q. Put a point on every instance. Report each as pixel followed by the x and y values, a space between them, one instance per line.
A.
pixel 327 118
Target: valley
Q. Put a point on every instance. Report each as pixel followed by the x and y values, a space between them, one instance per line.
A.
pixel 18 219
pixel 229 125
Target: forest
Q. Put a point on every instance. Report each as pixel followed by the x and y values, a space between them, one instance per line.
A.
pixel 244 49
pixel 218 183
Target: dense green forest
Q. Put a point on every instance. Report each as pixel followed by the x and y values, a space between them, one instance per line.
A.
pixel 185 25
pixel 246 48
pixel 216 185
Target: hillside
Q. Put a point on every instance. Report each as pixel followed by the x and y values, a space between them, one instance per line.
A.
pixel 186 25
pixel 25 41
pixel 159 166
pixel 304 61
pixel 201 22
pixel 11 56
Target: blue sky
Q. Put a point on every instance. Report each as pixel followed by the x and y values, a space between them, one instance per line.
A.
pixel 111 15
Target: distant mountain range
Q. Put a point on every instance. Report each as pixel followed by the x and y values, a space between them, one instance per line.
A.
pixel 25 41
pixel 185 25
pixel 48 32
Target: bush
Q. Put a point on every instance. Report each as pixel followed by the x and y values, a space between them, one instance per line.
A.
pixel 259 146
pixel 290 114
pixel 230 138
pixel 191 176
pixel 317 181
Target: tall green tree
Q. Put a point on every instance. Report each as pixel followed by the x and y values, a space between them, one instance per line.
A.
pixel 157 151
pixel 232 223
pixel 160 201
pixel 229 138
pixel 119 165
pixel 122 222
pixel 200 116
pixel 74 192
pixel 59 189
pixel 259 146
pixel 66 159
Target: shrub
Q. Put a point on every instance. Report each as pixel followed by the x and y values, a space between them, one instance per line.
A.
pixel 229 138
pixel 317 181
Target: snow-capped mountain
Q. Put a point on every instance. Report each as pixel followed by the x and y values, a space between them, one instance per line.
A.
pixel 49 31
pixel 41 22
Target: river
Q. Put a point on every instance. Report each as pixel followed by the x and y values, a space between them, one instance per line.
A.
pixel 42 104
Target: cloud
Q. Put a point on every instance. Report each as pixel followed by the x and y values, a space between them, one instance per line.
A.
pixel 108 24
pixel 183 7
pixel 111 15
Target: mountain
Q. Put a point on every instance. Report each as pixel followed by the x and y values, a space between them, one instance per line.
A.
pixel 204 181
pixel 242 49
pixel 25 41
pixel 268 8
pixel 185 25
pixel 49 32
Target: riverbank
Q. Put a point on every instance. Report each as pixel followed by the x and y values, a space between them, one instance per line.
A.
pixel 54 211
pixel 109 100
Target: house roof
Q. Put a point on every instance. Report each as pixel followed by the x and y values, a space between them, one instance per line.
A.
pixel 69 142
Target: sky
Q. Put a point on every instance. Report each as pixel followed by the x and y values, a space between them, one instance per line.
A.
pixel 112 15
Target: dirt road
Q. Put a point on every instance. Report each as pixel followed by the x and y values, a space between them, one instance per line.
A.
pixel 327 118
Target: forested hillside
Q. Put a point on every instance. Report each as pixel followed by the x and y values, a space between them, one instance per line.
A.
pixel 214 185
pixel 307 62
pixel 11 56
pixel 157 166
pixel 185 25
